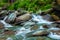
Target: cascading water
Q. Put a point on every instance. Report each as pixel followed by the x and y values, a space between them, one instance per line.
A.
pixel 36 19
pixel 39 19
pixel 5 24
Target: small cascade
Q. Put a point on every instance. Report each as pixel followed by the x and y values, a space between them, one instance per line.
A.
pixel 22 31
pixel 5 24
pixel 39 19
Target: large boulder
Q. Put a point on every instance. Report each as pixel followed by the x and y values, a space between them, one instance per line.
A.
pixel 23 18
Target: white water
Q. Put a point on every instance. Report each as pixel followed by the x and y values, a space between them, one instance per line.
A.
pixel 22 31
pixel 9 38
pixel 39 19
pixel 5 24
pixel 54 36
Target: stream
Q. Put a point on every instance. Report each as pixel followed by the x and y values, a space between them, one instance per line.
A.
pixel 28 31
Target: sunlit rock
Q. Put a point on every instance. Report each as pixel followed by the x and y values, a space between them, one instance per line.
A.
pixel 24 17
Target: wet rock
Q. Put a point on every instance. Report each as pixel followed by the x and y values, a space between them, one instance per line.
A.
pixel 39 20
pixel 45 26
pixel 54 34
pixel 56 18
pixel 42 13
pixel 23 18
pixel 3 12
pixel 1 25
pixel 43 38
pixel 56 31
pixel 58 26
pixel 47 17
pixel 38 38
pixel 11 11
pixel 40 33
pixel 34 27
pixel 28 23
pixel 2 17
pixel 57 22
pixel 37 33
pixel 9 32
pixel 11 17
pixel 21 11
pixel 5 24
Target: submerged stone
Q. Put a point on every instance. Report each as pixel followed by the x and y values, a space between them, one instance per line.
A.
pixel 9 32
pixel 34 27
pixel 38 38
pixel 1 25
pixel 37 33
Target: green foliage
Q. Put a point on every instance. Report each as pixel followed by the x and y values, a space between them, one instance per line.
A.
pixel 30 5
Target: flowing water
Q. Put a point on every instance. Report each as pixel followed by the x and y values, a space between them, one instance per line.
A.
pixel 37 19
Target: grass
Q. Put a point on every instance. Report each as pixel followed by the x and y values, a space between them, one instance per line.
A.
pixel 30 5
